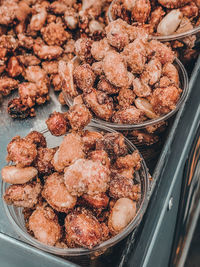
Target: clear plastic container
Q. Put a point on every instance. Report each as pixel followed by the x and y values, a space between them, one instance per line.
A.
pixel 122 127
pixel 176 36
pixel 16 216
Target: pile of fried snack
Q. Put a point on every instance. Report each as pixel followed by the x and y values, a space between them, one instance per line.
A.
pixel 78 194
pixel 34 35
pixel 163 18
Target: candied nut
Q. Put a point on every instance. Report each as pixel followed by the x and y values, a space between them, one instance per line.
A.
pixel 130 115
pixel 170 22
pixel 99 49
pixel 140 88
pixel 144 105
pixel 56 194
pixel 17 110
pixel 113 144
pixel 105 86
pixel 161 51
pixel 116 33
pixel 25 195
pixel 79 117
pixel 51 67
pixel 190 10
pixel 86 176
pixel 152 72
pixel 164 100
pixel 89 140
pixel 38 20
pixel 141 10
pixel 84 77
pixel 100 155
pixel 17 175
pixel 57 84
pixel 21 152
pixel 54 34
pixel 126 97
pixel 97 201
pixel 43 222
pixel 173 3
pixel 122 187
pixel 47 52
pixel 66 75
pixel 64 156
pixel 28 60
pixel 57 124
pixel 14 69
pixel 156 17
pixel 83 229
pixel 28 93
pixel 121 215
pixel 115 69
pixel 135 55
pixel 36 138
pixel 170 71
pixel 100 103
pixel 129 161
pixel 7 85
pixel 83 49
pixel 43 160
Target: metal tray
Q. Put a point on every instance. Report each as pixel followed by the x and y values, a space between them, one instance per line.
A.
pixel 14 250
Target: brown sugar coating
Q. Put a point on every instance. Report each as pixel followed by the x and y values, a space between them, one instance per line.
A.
pixel 36 138
pixel 21 152
pixel 64 156
pixel 56 193
pixel 43 160
pixel 83 229
pixel 86 176
pixel 57 123
pixel 43 222
pixel 24 195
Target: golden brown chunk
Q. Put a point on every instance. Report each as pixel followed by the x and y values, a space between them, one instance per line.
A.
pixel 141 10
pixel 86 176
pixel 117 35
pixel 28 93
pixel 170 71
pixel 173 3
pixel 47 52
pixel 99 49
pixel 57 123
pixel 100 103
pixel 126 97
pixel 101 156
pixel 83 49
pixel 135 55
pixel 43 160
pixel 97 201
pixel 165 99
pixel 25 195
pixel 130 115
pixel 79 117
pixel 57 83
pixel 7 85
pixel 17 110
pixel 14 69
pixel 152 72
pixel 124 187
pixel 36 138
pixel 43 222
pixel 129 161
pixel 84 77
pixel 28 60
pixel 105 86
pixel 83 229
pixel 21 152
pixel 56 194
pixel 115 69
pixel 89 139
pixel 51 67
pixel 38 19
pixel 140 88
pixel 113 144
pixel 55 34
pixel 65 156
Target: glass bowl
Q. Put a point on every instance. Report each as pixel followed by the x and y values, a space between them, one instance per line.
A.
pixel 124 127
pixel 16 216
pixel 171 37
